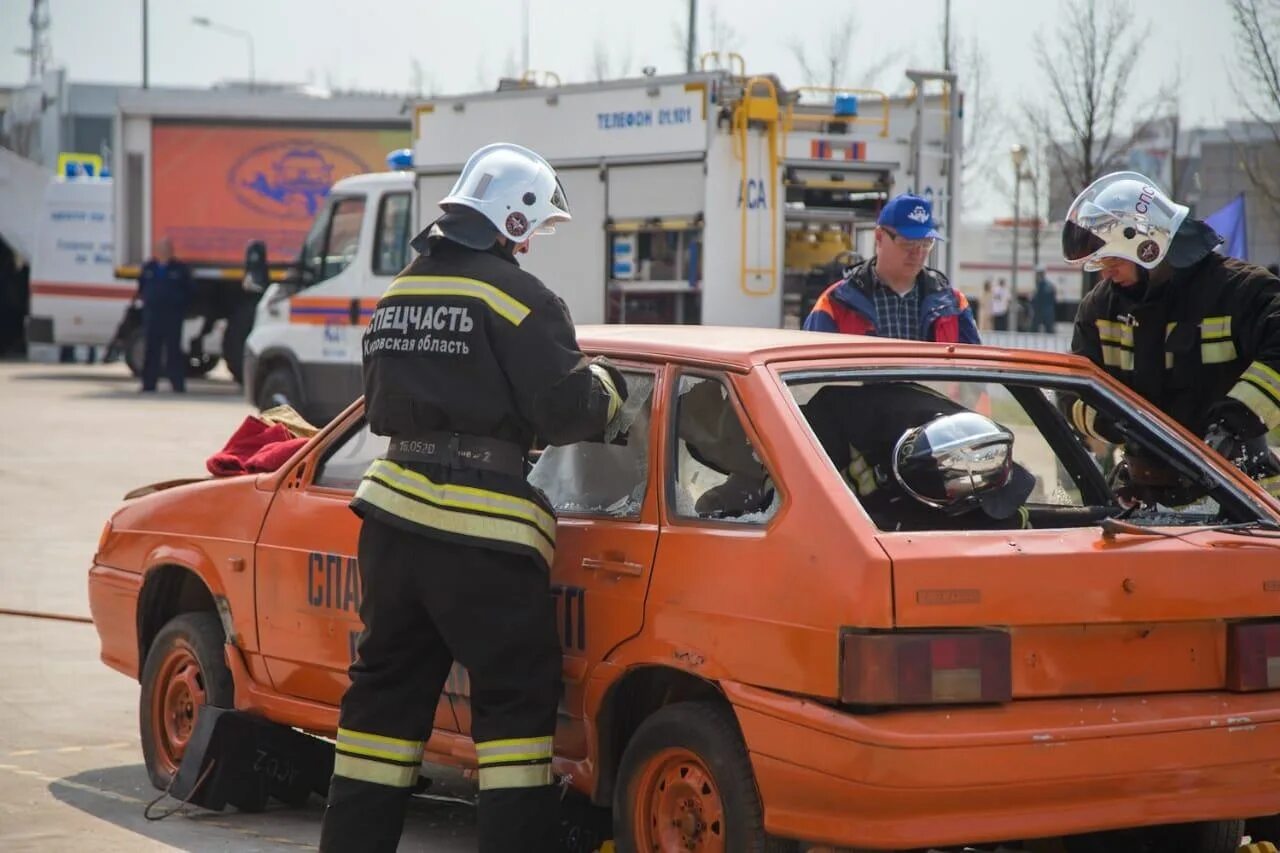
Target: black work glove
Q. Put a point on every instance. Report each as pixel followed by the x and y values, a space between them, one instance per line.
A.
pixel 1231 426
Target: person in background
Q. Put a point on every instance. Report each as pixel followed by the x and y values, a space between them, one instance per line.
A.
pixel 1000 299
pixel 984 308
pixel 1044 303
pixel 166 287
pixel 894 295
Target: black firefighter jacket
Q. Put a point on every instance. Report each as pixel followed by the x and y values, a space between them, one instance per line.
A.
pixel 466 342
pixel 1190 340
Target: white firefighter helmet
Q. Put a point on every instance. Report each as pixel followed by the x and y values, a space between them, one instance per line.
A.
pixel 514 188
pixel 1121 215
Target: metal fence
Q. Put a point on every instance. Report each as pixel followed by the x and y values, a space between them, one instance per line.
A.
pixel 1049 341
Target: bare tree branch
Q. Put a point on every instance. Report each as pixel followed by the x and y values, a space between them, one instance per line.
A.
pixel 1257 82
pixel 1088 63
pixel 830 65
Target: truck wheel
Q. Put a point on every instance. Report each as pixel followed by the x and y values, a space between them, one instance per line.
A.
pixel 239 324
pixel 685 783
pixel 185 669
pixel 1209 836
pixel 198 367
pixel 279 381
pixel 135 351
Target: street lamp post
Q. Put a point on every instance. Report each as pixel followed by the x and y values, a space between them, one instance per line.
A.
pixel 1019 156
pixel 201 21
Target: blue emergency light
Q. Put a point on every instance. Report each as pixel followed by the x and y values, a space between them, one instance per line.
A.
pixel 400 160
pixel 846 106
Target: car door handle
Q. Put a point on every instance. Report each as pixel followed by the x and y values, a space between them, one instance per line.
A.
pixel 612 567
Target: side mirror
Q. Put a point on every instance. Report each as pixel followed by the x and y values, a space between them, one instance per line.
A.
pixel 257 276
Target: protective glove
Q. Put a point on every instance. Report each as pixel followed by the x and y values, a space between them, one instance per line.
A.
pixel 621 416
pixel 1231 426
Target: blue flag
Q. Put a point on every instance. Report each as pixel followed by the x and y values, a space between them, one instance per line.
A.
pixel 1230 223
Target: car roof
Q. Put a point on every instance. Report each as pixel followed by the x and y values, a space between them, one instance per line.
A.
pixel 742 347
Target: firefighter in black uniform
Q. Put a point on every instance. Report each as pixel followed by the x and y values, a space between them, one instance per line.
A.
pixel 466 359
pixel 919 461
pixel 1194 332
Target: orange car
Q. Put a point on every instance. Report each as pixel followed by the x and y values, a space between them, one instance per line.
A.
pixel 750 653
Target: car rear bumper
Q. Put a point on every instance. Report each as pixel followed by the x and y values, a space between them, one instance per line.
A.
pixel 113 602
pixel 1031 769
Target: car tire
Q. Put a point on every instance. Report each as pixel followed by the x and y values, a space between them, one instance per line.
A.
pixel 200 367
pixel 1210 836
pixel 185 668
pixel 135 351
pixel 685 782
pixel 278 381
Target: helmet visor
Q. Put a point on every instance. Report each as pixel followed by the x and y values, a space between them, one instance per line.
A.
pixel 560 201
pixel 1079 243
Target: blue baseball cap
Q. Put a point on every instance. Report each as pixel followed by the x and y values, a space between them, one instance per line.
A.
pixel 910 216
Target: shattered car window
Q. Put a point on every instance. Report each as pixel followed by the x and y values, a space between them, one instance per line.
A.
pixel 603 477
pixel 717 474
pixel 1052 456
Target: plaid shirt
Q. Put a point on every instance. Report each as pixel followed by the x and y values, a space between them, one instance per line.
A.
pixel 899 316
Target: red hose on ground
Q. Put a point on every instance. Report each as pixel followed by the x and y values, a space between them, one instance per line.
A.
pixel 34 614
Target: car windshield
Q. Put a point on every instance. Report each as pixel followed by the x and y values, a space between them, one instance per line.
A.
pixel 1044 452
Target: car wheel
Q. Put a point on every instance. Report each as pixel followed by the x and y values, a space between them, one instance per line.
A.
pixel 135 351
pixel 279 382
pixel 199 367
pixel 1210 836
pixel 185 669
pixel 685 783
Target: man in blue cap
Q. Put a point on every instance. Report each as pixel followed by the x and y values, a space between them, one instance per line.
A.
pixel 894 295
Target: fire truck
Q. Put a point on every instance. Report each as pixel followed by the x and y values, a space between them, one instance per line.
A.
pixel 715 197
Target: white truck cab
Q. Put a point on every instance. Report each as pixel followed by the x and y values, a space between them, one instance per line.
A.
pixel 305 343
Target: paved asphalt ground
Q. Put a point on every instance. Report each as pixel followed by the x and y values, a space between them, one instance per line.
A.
pixel 73 440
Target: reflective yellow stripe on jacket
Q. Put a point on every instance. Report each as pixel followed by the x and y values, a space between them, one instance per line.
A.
pixel 1259 389
pixel 378 759
pixel 1216 346
pixel 461 510
pixel 1117 344
pixel 501 302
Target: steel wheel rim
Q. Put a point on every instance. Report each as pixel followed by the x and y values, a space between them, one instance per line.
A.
pixel 678 805
pixel 179 694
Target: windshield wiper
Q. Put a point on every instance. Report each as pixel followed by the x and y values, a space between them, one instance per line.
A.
pixel 1113 527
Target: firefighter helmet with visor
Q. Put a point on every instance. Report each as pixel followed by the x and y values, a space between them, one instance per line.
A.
pixel 514 188
pixel 1122 215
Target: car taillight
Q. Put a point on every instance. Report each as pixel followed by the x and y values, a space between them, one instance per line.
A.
pixel 936 668
pixel 1253 656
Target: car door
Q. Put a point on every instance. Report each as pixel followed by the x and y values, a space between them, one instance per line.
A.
pixel 308 581
pixel 606 536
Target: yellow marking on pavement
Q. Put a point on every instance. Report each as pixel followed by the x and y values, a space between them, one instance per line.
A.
pixel 116 745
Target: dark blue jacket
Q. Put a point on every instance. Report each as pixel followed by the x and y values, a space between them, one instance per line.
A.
pixel 166 288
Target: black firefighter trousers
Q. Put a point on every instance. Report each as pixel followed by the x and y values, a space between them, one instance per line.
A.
pixel 427 603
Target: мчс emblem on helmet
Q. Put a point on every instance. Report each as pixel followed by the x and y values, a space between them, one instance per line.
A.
pixel 919 215
pixel 517 224
pixel 1148 251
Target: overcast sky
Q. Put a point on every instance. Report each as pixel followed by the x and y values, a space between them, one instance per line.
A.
pixel 464 46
